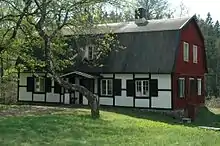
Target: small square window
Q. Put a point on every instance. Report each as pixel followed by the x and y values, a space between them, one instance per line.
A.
pixel 186 51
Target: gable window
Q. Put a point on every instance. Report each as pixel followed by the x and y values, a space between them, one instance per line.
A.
pixel 90 53
pixel 181 87
pixel 199 85
pixel 195 59
pixel 106 87
pixel 142 87
pixel 39 85
pixel 186 51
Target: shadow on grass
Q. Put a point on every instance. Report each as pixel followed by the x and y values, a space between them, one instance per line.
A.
pixel 57 129
pixel 207 117
pixel 204 117
pixel 142 114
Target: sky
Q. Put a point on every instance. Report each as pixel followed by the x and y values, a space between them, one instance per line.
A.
pixel 201 7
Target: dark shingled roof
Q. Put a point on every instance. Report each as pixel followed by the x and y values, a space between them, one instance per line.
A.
pixel 145 52
pixel 151 48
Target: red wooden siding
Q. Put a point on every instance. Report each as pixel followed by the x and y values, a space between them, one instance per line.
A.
pixel 191 35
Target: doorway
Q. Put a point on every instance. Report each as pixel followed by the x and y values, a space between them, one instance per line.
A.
pixel 87 83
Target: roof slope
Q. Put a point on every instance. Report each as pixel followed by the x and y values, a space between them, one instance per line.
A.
pixel 145 52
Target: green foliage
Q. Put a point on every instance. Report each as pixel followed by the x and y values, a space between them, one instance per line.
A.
pixel 34 28
pixel 155 9
pixel 211 33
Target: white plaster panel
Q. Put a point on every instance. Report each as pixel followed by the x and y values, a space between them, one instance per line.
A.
pixel 142 103
pixel 39 97
pixel 66 98
pixel 85 101
pixel 62 97
pixel 164 80
pixel 105 101
pixel 123 78
pixel 107 75
pixel 96 86
pixel 123 100
pixel 141 75
pixel 23 78
pixel 24 95
pixel 53 97
pixel 163 100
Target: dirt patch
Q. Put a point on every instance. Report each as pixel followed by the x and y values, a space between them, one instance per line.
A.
pixel 21 110
pixel 213 103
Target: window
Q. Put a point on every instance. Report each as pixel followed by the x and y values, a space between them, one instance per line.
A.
pixel 90 53
pixel 195 54
pixel 193 86
pixel 199 85
pixel 106 87
pixel 142 88
pixel 181 87
pixel 186 51
pixel 39 84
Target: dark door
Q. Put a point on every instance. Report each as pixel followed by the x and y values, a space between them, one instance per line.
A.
pixel 72 93
pixel 87 83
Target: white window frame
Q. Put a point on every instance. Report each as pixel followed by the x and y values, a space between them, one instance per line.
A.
pixel 39 85
pixel 87 49
pixel 195 54
pixel 185 51
pixel 108 87
pixel 91 48
pixel 199 86
pixel 144 88
pixel 183 87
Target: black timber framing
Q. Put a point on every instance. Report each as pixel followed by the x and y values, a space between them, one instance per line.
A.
pixel 18 88
pixel 113 96
pixel 134 96
pixel 172 91
pixel 33 88
pixel 150 99
pixel 45 97
pixel 33 93
pixel 113 90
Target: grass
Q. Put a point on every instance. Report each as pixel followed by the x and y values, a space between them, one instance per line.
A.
pixel 74 127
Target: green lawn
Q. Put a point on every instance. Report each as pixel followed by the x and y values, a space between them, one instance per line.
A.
pixel 115 127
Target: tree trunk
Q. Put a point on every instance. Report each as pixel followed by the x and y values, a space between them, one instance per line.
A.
pixel 92 99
